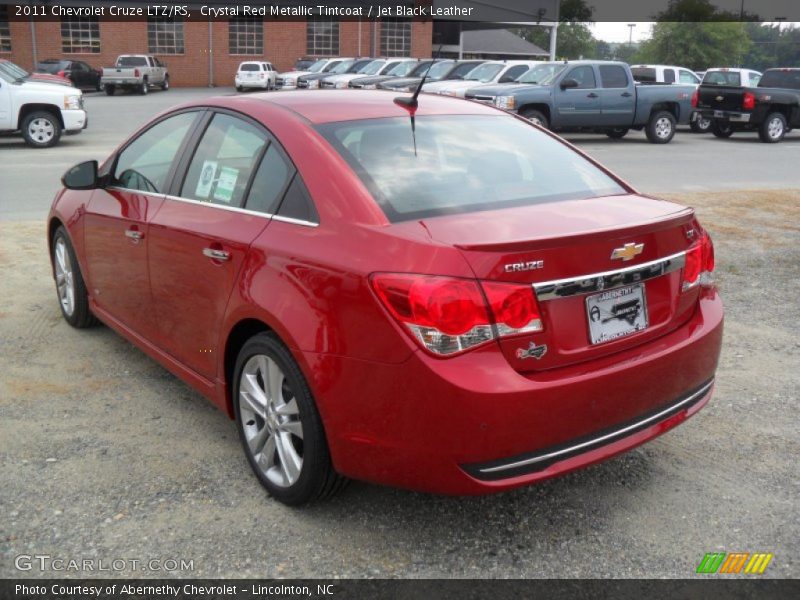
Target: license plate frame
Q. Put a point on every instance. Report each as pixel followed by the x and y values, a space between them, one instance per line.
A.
pixel 614 314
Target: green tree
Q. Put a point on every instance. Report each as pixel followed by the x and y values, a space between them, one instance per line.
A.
pixel 574 38
pixel 697 45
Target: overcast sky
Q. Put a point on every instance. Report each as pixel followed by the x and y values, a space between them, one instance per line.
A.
pixel 619 32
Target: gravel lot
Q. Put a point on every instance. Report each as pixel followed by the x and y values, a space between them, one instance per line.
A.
pixel 106 455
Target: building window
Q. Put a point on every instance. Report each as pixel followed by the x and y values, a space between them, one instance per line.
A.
pixel 246 35
pixel 322 37
pixel 395 37
pixel 5 31
pixel 164 36
pixel 80 35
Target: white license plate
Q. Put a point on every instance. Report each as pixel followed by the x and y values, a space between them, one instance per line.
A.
pixel 616 313
pixel 719 114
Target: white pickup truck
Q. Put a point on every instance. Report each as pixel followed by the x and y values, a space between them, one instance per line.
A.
pixel 40 111
pixel 135 72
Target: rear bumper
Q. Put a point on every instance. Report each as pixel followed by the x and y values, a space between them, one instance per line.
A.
pixel 121 81
pixel 249 83
pixel 438 425
pixel 725 115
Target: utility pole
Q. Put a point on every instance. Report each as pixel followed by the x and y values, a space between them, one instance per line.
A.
pixel 630 33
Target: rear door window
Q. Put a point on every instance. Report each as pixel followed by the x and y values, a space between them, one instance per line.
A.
pixel 224 161
pixel 613 76
pixel 669 75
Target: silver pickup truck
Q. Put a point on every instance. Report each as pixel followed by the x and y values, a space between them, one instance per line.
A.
pixel 135 72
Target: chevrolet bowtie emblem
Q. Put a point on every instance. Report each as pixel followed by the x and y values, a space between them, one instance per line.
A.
pixel 627 252
pixel 720 98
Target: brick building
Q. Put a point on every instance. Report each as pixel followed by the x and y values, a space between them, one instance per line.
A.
pixel 198 52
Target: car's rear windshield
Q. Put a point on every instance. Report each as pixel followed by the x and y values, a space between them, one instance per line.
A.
pixel 722 78
pixel 503 162
pixel 131 61
pixel 52 67
pixel 644 74
pixel 779 78
pixel 249 67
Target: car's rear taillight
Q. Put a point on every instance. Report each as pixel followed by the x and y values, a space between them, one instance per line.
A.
pixel 61 73
pixel 447 315
pixel 748 101
pixel 699 267
pixel 514 308
pixel 136 73
pixel 695 98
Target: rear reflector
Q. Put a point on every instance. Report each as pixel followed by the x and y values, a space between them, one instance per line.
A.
pixel 448 315
pixel 699 267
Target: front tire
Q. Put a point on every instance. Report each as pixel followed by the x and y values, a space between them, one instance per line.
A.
pixel 773 129
pixel 617 133
pixel 721 129
pixel 41 129
pixel 70 287
pixel 700 124
pixel 279 425
pixel 536 117
pixel 661 128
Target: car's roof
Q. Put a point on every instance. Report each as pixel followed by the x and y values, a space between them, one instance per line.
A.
pixel 326 106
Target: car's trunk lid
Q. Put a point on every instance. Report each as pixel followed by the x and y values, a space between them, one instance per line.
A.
pixel 562 243
pixel 720 97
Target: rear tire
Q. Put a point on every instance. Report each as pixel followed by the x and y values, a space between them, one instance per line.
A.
pixel 41 129
pixel 239 88
pixel 279 426
pixel 70 287
pixel 110 89
pixel 661 127
pixel 617 133
pixel 536 117
pixel 144 89
pixel 773 129
pixel 721 129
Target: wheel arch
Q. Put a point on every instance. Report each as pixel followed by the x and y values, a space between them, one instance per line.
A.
pixel 542 108
pixel 27 109
pixel 671 107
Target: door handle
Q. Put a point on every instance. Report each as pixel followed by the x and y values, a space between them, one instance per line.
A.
pixel 133 234
pixel 592 95
pixel 626 94
pixel 216 254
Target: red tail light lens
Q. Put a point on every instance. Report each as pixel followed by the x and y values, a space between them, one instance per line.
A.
pixel 61 73
pixel 447 315
pixel 699 266
pixel 748 101
pixel 695 98
pixel 514 308
pixel 136 73
pixel 444 314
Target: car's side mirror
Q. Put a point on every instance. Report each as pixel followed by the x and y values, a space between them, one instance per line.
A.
pixel 82 176
pixel 569 84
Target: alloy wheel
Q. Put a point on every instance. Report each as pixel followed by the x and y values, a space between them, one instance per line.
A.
pixel 65 282
pixel 270 420
pixel 775 128
pixel 663 128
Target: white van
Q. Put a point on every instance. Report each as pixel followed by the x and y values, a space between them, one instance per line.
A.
pixel 255 74
pixel 40 111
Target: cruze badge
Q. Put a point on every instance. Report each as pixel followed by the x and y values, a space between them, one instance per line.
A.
pixel 523 266
pixel 533 351
pixel 627 252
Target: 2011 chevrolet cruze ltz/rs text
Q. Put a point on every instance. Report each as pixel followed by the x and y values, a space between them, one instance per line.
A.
pixel 440 296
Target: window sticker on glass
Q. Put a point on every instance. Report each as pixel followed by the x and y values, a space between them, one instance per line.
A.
pixel 206 179
pixel 226 184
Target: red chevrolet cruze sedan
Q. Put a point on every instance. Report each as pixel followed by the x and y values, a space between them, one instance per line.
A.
pixel 447 299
